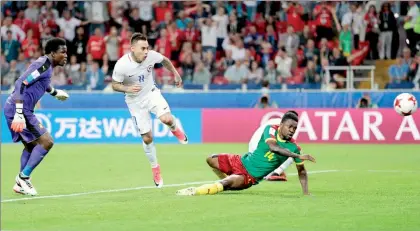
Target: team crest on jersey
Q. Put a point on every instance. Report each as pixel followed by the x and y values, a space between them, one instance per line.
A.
pixel 149 68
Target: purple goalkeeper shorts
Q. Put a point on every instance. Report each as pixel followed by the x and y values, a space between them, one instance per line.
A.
pixel 31 132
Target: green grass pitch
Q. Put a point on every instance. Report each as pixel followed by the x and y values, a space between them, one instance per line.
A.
pixel 368 187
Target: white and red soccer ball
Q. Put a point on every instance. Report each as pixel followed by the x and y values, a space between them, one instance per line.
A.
pixel 405 104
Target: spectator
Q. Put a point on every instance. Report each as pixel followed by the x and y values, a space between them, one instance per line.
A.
pixel 4 65
pixel 79 45
pixel 198 53
pixel 58 77
pixel 372 32
pixel 310 51
pixel 202 75
pixel 73 71
pixel 97 14
pixel 182 20
pixel 284 64
pixel 398 72
pixel 255 74
pixel 271 36
pixel 30 45
pixel 238 51
pixel 112 42
pixel 48 8
pixel 45 36
pixel 164 43
pixel 233 25
pixel 305 36
pixel 32 12
pixel 290 41
pixel 222 21
pixel 294 16
pixel 346 40
pixel 324 49
pixel 410 21
pixel 95 78
pixel 21 63
pixel 10 47
pixel 96 46
pixel 209 62
pixel 414 74
pixel 136 23
pixel 125 46
pixel 68 24
pixel 17 33
pixel 311 75
pixel 324 21
pixel 236 73
pixel 253 38
pixel 264 103
pixel 208 34
pixel 271 74
pixel 152 33
pixel 365 102
pixel 187 66
pixel 24 23
pixel 387 24
pixel 406 57
pixel 354 19
pixel 12 75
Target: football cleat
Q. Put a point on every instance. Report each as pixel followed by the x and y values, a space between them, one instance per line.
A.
pixel 18 189
pixel 277 177
pixel 157 178
pixel 26 185
pixel 186 192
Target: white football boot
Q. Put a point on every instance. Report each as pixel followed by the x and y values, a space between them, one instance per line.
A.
pixel 186 192
pixel 26 185
pixel 18 189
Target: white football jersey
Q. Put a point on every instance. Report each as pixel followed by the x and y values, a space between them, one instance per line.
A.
pixel 130 72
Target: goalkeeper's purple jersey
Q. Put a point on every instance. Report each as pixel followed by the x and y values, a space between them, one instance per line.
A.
pixel 32 84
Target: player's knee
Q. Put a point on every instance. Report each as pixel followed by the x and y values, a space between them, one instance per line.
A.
pixel 48 144
pixel 167 119
pixel 147 139
pixel 212 160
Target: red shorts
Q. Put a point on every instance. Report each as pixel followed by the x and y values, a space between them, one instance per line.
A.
pixel 231 164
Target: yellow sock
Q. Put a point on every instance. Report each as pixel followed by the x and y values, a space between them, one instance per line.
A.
pixel 209 189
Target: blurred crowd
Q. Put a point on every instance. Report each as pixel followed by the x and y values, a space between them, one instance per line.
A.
pixel 214 41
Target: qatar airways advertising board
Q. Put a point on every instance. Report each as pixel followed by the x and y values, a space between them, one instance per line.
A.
pixel 315 125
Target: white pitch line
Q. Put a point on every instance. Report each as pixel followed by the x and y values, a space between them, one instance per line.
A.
pixel 131 189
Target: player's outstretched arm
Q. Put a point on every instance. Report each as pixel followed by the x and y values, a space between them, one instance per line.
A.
pixel 303 178
pixel 168 65
pixel 57 93
pixel 274 147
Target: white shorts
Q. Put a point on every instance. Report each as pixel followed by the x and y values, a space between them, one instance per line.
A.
pixel 140 111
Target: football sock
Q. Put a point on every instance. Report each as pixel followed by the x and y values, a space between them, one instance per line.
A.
pixel 209 189
pixel 38 153
pixel 24 159
pixel 177 131
pixel 150 151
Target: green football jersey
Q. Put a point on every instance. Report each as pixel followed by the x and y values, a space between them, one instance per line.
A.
pixel 262 161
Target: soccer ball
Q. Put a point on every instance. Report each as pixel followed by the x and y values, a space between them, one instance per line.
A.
pixel 405 104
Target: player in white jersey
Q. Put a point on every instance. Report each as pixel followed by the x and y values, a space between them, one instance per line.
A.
pixel 133 76
pixel 278 174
